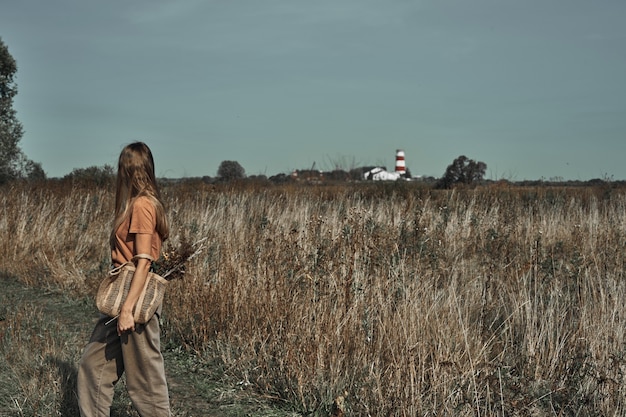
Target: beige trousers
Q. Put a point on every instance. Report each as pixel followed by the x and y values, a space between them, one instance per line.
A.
pixel 107 356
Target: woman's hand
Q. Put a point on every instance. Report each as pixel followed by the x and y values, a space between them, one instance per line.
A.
pixel 125 322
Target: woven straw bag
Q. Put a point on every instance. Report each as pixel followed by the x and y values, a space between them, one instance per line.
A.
pixel 115 286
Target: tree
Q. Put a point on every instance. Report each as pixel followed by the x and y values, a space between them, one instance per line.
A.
pixel 13 163
pixel 462 171
pixel 230 170
pixel 99 175
pixel 29 170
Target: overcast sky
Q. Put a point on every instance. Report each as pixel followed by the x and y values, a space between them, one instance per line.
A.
pixel 533 88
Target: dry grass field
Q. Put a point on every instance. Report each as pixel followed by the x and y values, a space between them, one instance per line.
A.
pixel 392 299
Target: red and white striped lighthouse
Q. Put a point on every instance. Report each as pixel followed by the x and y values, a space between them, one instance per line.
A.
pixel 400 164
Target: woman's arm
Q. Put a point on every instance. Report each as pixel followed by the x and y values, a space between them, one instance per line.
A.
pixel 126 321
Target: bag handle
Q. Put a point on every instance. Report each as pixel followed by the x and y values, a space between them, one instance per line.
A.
pixel 142 256
pixel 117 269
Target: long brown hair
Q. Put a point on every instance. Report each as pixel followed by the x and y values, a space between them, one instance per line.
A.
pixel 135 178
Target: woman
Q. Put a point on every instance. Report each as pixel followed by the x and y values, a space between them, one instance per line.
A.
pixel 139 228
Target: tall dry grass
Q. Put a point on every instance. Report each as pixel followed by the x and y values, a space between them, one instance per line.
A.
pixel 404 301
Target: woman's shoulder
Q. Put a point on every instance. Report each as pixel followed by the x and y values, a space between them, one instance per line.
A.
pixel 144 202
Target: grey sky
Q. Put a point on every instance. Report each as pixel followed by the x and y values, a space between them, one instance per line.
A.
pixel 533 88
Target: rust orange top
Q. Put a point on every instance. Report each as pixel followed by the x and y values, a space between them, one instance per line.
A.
pixel 142 219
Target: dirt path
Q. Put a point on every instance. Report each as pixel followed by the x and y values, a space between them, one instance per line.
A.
pixel 196 388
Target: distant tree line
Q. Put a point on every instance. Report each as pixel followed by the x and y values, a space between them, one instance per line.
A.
pixel 462 172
